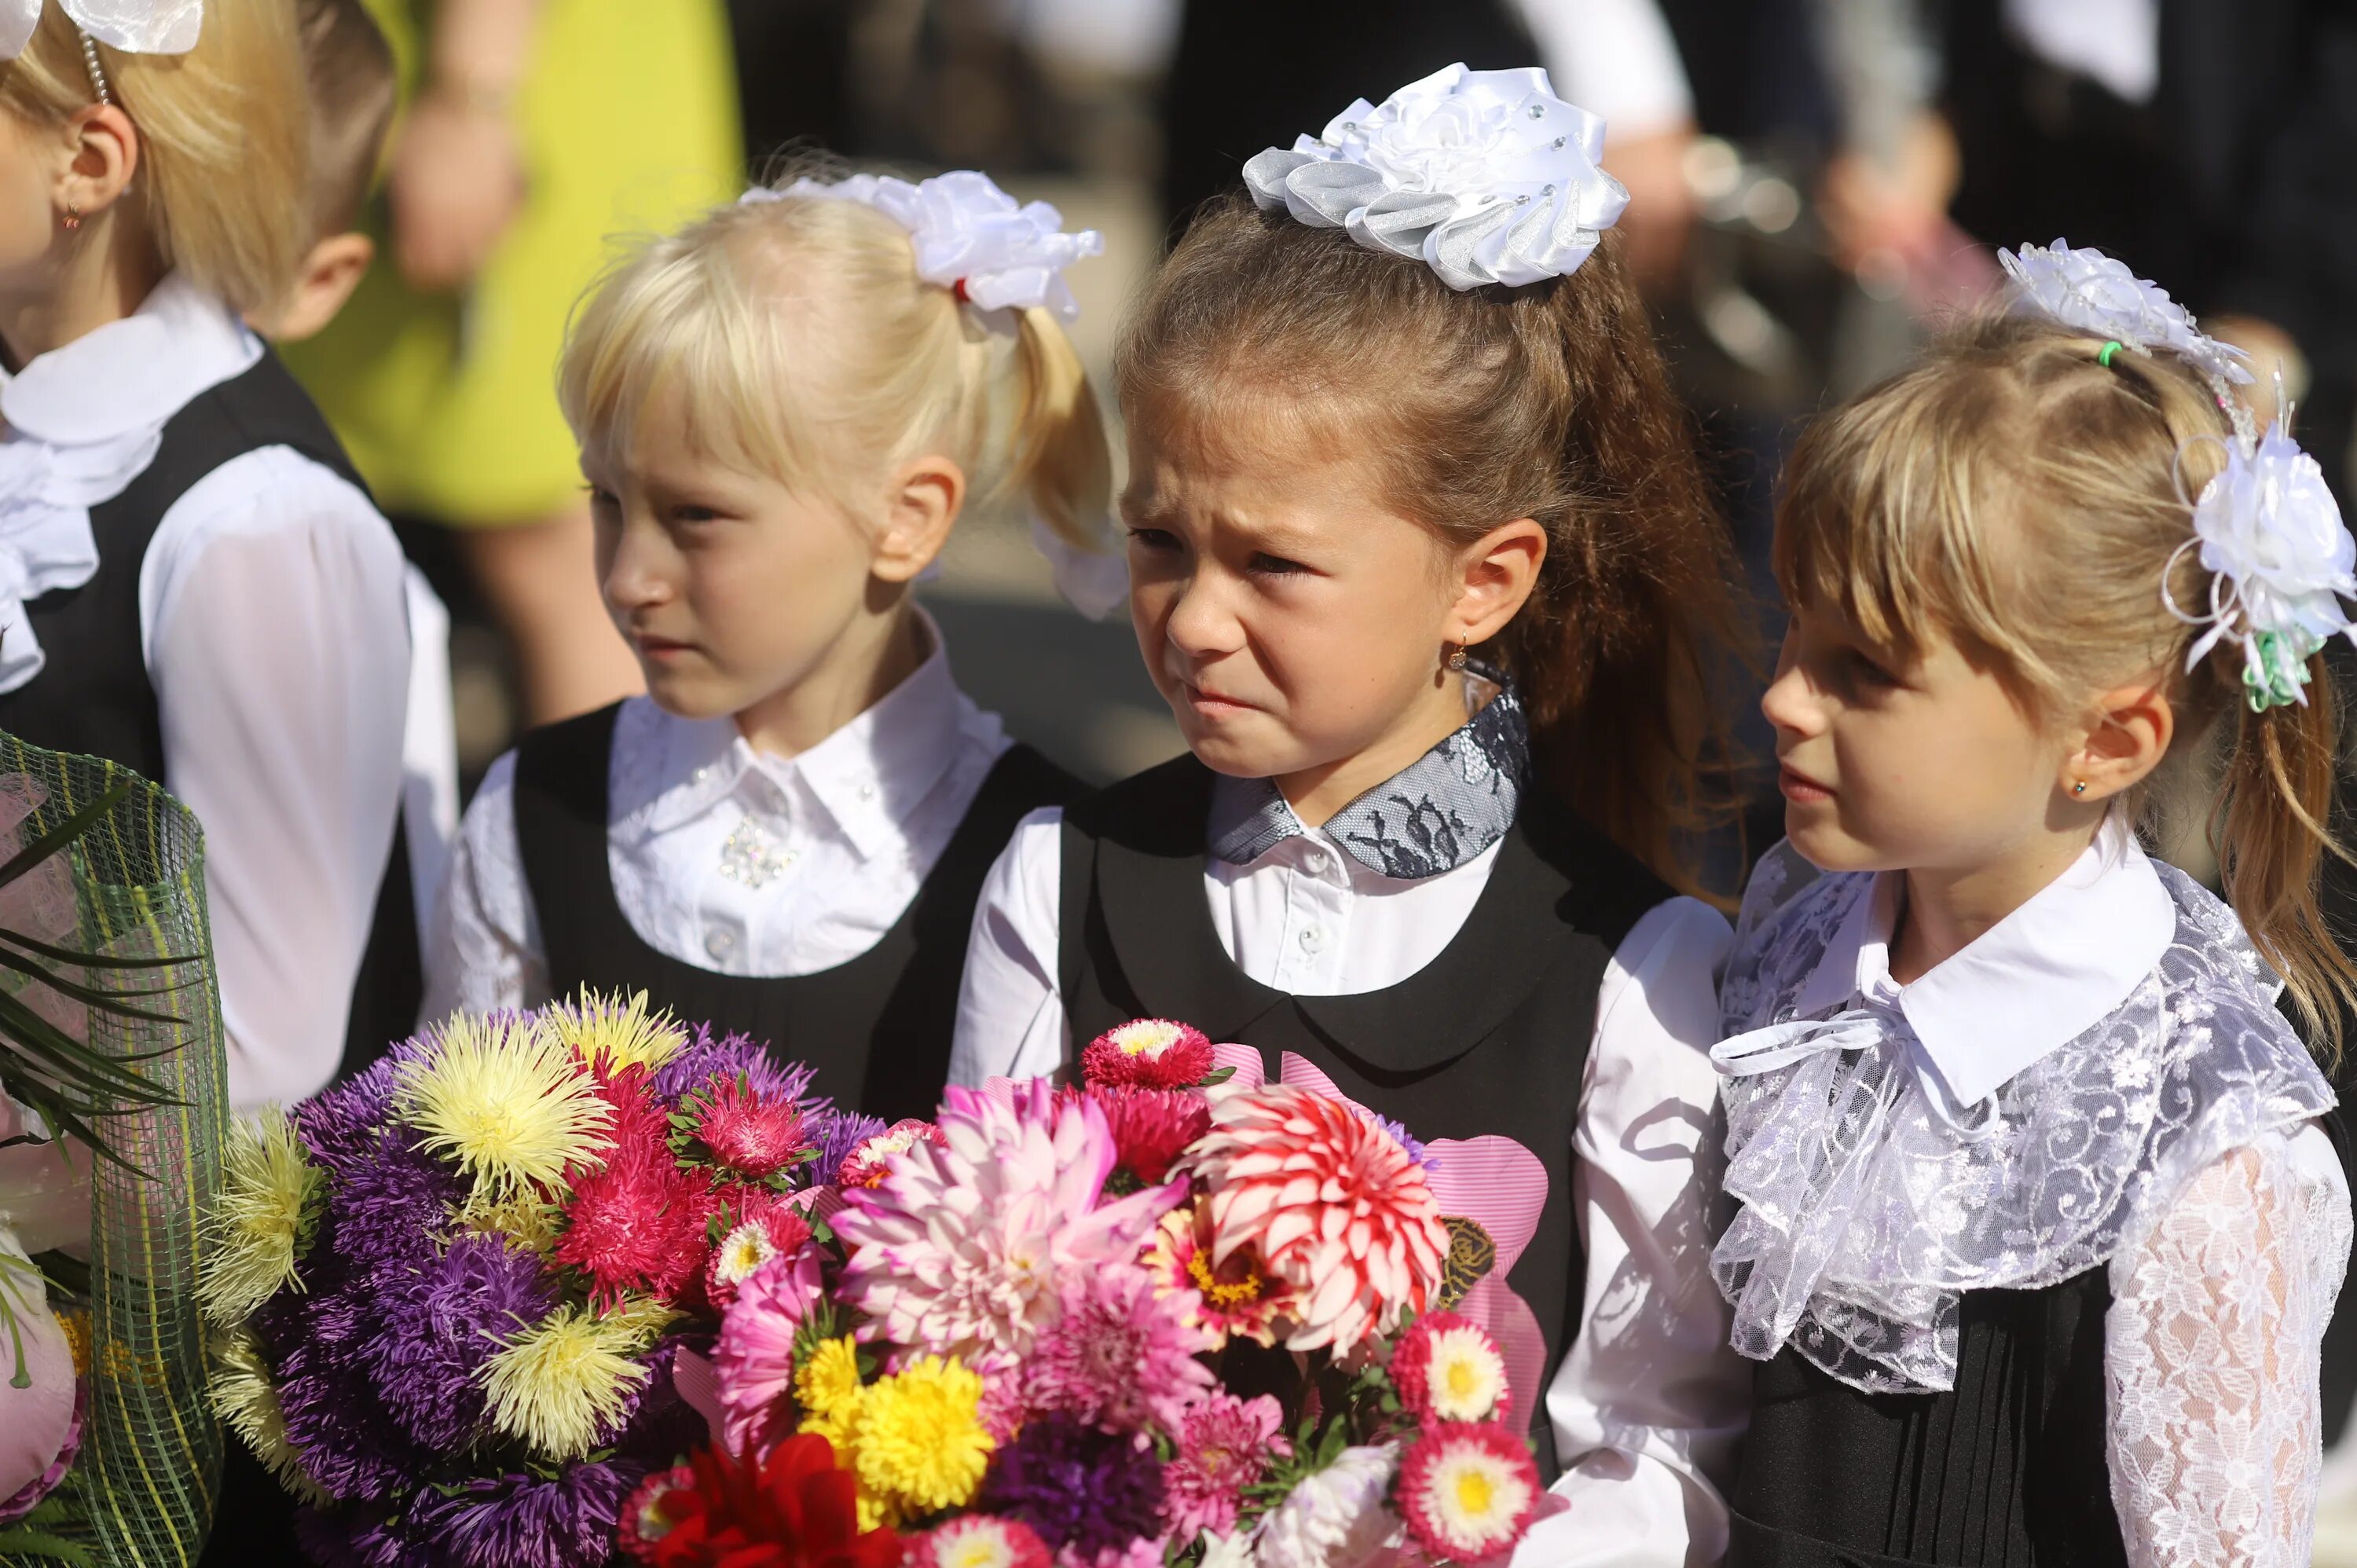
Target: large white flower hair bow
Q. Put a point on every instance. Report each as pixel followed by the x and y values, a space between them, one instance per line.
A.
pixel 1486 176
pixel 970 236
pixel 136 27
pixel 2093 293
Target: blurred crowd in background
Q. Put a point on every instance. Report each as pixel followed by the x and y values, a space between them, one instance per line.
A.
pixel 1814 184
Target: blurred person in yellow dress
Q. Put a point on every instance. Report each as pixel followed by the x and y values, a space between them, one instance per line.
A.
pixel 534 133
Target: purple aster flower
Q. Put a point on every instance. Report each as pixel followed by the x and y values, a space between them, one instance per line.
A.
pixel 525 1521
pixel 838 1133
pixel 361 1535
pixel 694 1065
pixel 441 1322
pixel 340 1124
pixel 391 1201
pixel 334 1418
pixel 1083 1491
pixel 1399 1134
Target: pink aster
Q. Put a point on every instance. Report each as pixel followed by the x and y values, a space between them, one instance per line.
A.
pixel 978 1541
pixel 747 1134
pixel 865 1166
pixel 1468 1490
pixel 755 1228
pixel 754 1361
pixel 962 1249
pixel 1334 1206
pixel 1121 1356
pixel 1224 1445
pixel 1152 1127
pixel 1153 1053
pixel 1237 1299
pixel 638 1223
pixel 1447 1369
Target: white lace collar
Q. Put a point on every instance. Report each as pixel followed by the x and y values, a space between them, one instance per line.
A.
pixel 867 776
pixel 82 422
pixel 1876 1188
pixel 2028 986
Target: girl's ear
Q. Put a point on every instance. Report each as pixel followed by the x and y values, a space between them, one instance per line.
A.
pixel 101 156
pixel 1494 578
pixel 2133 727
pixel 921 506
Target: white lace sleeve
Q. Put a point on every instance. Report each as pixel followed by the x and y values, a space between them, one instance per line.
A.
pixel 2210 1351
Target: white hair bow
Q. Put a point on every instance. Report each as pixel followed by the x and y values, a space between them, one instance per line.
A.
pixel 2095 293
pixel 970 236
pixel 136 27
pixel 1486 176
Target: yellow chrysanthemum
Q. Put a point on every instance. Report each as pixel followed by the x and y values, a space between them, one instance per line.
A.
pixel 561 1383
pixel 262 1219
pixel 612 1032
pixel 918 1439
pixel 523 1219
pixel 244 1397
pixel 506 1099
pixel 828 1382
pixel 875 1512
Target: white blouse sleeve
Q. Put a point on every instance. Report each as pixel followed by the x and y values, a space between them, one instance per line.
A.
pixel 483 951
pixel 272 614
pixel 1010 1021
pixel 2210 1352
pixel 1650 1401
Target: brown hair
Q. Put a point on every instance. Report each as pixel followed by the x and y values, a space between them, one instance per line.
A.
pixel 1548 401
pixel 351 86
pixel 223 151
pixel 2016 494
pixel 807 348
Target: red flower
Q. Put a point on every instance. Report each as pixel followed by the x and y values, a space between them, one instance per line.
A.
pixel 980 1538
pixel 1155 1053
pixel 750 1135
pixel 865 1166
pixel 639 1222
pixel 1151 1127
pixel 1446 1367
pixel 1468 1490
pixel 793 1510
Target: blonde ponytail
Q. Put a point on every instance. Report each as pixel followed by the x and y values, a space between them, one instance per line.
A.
pixel 1058 457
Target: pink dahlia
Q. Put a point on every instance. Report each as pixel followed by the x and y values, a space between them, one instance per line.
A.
pixel 748 1134
pixel 1332 1204
pixel 1152 1127
pixel 1468 1490
pixel 864 1167
pixel 1121 1355
pixel 963 1247
pixel 1153 1053
pixel 1238 1299
pixel 638 1223
pixel 1447 1368
pixel 754 1361
pixel 979 1541
pixel 1224 1447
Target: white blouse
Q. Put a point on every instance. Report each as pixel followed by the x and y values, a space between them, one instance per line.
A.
pixel 1649 1402
pixel 2054 1056
pixel 726 858
pixel 272 621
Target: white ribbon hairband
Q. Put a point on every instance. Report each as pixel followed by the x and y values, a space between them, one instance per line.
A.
pixel 1485 175
pixel 135 26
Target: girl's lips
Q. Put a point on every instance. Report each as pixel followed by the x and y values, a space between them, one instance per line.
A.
pixel 660 647
pixel 1209 704
pixel 1800 787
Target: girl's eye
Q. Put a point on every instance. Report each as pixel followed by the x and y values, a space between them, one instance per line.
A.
pixel 1154 539
pixel 1263 565
pixel 601 499
pixel 1865 672
pixel 694 514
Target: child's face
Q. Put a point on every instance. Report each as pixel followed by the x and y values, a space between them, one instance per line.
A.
pixel 1292 620
pixel 729 587
pixel 1930 767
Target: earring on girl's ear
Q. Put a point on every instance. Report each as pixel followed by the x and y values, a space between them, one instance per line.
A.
pixel 72 217
pixel 1456 658
pixel 2080 787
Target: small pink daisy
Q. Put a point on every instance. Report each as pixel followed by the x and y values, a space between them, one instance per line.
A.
pixel 1468 1489
pixel 979 1541
pixel 1447 1368
pixel 1153 1053
pixel 759 1227
pixel 1224 1447
pixel 866 1164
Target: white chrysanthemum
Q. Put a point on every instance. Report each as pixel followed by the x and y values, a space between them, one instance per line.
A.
pixel 741 1251
pixel 1334 1518
pixel 1467 1376
pixel 1228 1551
pixel 2090 292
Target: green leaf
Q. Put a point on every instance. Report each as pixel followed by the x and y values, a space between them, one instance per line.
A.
pixel 64 833
pixel 38 1545
pixel 1216 1077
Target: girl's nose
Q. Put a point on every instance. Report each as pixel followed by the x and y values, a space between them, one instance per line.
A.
pixel 1789 703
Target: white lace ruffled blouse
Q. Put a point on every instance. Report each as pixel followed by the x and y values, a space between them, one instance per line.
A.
pixel 726 858
pixel 2101 1079
pixel 271 620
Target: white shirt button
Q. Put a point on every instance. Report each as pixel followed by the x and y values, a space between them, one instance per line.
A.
pixel 1313 863
pixel 868 792
pixel 719 942
pixel 1312 937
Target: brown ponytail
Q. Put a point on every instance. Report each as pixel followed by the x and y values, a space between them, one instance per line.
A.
pixel 1549 403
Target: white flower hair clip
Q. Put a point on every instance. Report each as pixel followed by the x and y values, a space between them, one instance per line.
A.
pixel 1485 175
pixel 2281 562
pixel 2091 291
pixel 135 26
pixel 970 237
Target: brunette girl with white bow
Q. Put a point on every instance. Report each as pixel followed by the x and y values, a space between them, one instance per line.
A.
pixel 2040 1224
pixel 782 411
pixel 192 581
pixel 1422 561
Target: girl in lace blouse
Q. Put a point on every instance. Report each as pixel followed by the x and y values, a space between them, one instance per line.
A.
pixel 2039 1226
pixel 783 410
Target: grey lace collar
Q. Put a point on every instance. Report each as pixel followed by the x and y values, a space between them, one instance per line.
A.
pixel 1432 816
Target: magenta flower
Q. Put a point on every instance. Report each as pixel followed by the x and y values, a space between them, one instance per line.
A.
pixel 1123 1354
pixel 1224 1445
pixel 751 1134
pixel 754 1361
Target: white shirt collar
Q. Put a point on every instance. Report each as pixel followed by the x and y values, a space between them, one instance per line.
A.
pixel 131 375
pixel 868 775
pixel 2029 984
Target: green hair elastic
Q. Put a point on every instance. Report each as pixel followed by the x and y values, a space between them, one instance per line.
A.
pixel 2104 359
pixel 2280 674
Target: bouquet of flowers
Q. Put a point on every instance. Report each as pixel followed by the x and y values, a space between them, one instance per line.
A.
pixel 1172 1315
pixel 454 1298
